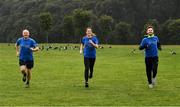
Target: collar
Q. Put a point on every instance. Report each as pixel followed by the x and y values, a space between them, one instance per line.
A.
pixel 89 37
pixel 150 36
pixel 25 38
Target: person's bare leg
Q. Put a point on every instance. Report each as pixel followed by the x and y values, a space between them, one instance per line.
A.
pixel 23 70
pixel 28 77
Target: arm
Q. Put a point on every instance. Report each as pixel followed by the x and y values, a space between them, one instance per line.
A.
pixel 81 48
pixel 17 49
pixel 95 45
pixel 143 45
pixel 159 46
pixel 35 49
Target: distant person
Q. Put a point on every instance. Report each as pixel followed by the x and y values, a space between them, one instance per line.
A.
pixel 25 46
pixel 151 45
pixel 88 46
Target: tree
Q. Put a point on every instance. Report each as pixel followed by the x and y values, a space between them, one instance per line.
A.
pixel 136 12
pixel 174 32
pixel 165 32
pixel 68 28
pixel 82 19
pixel 46 23
pixel 170 32
pixel 106 24
pixel 122 33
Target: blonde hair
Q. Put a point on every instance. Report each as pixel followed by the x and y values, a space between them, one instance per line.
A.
pixel 93 34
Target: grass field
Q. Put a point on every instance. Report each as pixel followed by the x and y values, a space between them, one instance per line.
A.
pixel 119 79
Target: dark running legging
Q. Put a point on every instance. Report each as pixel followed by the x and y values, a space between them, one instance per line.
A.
pixel 151 68
pixel 89 66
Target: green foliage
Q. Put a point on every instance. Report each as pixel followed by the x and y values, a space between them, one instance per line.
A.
pixel 106 26
pixel 85 13
pixel 68 27
pixel 46 21
pixel 82 19
pixel 122 33
pixel 106 23
pixel 174 28
pixel 171 31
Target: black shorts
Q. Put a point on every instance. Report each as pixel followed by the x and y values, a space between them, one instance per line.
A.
pixel 28 64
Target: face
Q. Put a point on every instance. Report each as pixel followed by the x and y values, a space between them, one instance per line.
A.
pixel 89 32
pixel 25 33
pixel 150 31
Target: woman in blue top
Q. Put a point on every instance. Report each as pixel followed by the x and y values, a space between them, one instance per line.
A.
pixel 25 46
pixel 88 46
pixel 151 45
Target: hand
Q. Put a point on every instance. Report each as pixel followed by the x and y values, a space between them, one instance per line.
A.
pixel 32 49
pixel 91 42
pixel 160 48
pixel 17 54
pixel 80 51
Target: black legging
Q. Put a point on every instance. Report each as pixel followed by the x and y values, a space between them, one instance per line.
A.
pixel 89 65
pixel 151 68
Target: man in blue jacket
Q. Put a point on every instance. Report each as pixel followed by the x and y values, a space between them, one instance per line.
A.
pixel 151 45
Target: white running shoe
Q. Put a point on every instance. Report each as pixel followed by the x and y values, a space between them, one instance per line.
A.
pixel 151 86
pixel 154 81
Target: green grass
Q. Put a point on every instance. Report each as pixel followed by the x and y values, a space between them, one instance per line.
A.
pixel 119 79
